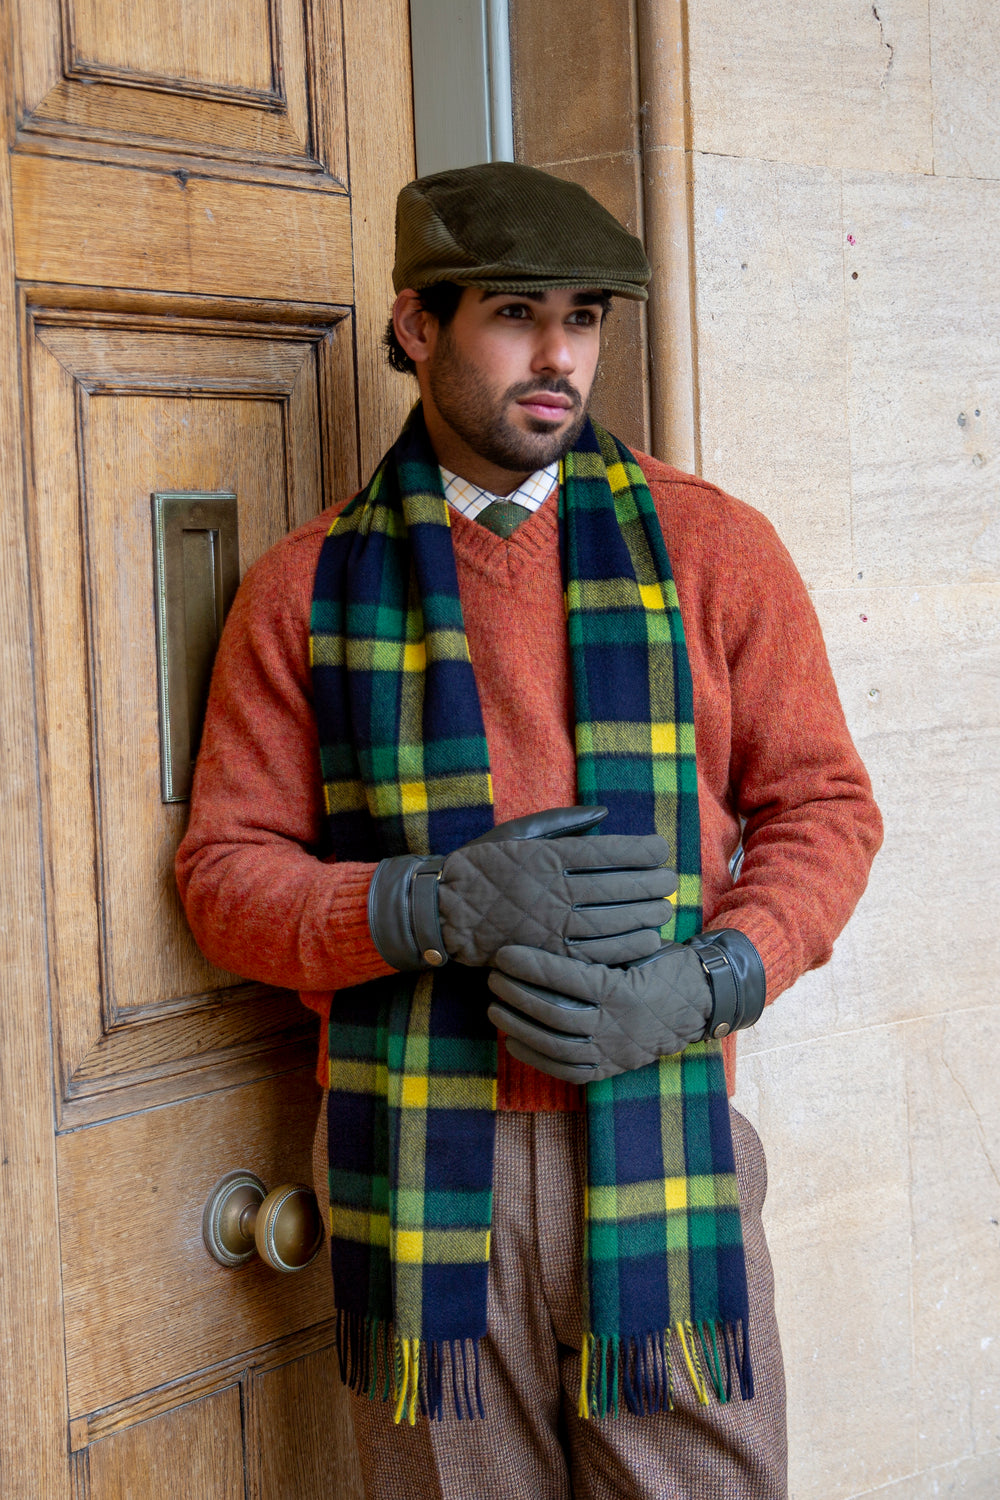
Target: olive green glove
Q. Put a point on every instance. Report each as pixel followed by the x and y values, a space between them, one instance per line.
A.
pixel 538 881
pixel 584 1022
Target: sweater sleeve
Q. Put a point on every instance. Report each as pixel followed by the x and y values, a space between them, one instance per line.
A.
pixel 812 828
pixel 259 899
pixel 777 752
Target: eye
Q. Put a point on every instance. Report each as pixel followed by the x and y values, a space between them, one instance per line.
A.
pixel 584 317
pixel 517 310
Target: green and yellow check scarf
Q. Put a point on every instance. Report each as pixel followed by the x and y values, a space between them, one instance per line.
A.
pixel 413 1057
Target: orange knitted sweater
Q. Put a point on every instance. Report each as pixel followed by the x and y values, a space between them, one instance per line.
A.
pixel 773 751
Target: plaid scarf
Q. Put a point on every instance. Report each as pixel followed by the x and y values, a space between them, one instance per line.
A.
pixel 413 1057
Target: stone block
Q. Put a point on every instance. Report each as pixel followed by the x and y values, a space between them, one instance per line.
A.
pixel 923 940
pixel 883 1150
pixel 914 658
pixel 965 65
pixel 572 75
pixel 772 352
pixel 839 83
pixel 954 1117
pixel 832 1116
pixel 919 676
pixel 969 1479
pixel 924 323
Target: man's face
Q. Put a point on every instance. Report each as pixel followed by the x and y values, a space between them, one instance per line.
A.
pixel 510 375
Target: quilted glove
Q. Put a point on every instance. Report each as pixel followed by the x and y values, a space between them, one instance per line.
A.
pixel 536 881
pixel 584 1022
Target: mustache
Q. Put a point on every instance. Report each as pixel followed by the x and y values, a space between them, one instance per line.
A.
pixel 554 385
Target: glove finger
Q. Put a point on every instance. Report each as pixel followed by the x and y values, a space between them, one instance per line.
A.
pixel 564 1017
pixel 610 887
pixel 553 1044
pixel 568 1072
pixel 625 948
pixel 554 822
pixel 610 921
pixel 551 971
pixel 616 851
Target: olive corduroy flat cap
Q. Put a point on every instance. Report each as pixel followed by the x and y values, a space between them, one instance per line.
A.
pixel 509 228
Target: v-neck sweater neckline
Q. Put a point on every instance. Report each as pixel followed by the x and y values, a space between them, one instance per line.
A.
pixel 480 550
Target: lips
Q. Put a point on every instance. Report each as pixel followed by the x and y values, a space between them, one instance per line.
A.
pixel 546 405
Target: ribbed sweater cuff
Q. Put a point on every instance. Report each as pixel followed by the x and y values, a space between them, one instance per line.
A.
pixel 780 971
pixel 780 966
pixel 349 943
pixel 348 937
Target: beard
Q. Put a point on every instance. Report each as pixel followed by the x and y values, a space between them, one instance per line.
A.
pixel 478 414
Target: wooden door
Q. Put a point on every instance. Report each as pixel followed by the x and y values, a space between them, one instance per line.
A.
pixel 195 241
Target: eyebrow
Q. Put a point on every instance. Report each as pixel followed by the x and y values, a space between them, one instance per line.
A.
pixel 580 299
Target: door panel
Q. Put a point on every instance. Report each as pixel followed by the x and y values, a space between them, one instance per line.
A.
pixel 192 1451
pixel 121 411
pixel 144 1302
pixel 304 1443
pixel 230 46
pixel 234 82
pixel 121 227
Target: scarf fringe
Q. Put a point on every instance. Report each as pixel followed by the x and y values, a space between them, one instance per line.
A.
pixel 414 1375
pixel 639 1372
pixel 421 1377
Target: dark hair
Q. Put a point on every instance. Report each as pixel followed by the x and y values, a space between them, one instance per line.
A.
pixel 441 299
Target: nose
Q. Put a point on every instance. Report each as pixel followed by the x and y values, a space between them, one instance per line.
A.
pixel 553 352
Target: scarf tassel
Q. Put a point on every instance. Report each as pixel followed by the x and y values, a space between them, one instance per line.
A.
pixel 737 1342
pixel 639 1372
pixel 412 1374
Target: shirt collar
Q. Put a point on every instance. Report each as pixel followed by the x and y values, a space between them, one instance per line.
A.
pixel 471 499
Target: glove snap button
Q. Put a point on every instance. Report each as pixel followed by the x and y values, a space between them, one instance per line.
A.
pixel 721 1030
pixel 433 957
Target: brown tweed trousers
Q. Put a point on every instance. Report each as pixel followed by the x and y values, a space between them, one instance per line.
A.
pixel 532 1445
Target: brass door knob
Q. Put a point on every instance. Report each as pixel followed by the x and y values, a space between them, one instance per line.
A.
pixel 241 1217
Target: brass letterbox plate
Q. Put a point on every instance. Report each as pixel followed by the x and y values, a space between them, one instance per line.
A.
pixel 196 566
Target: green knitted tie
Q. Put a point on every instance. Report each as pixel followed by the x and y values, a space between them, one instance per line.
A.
pixel 503 517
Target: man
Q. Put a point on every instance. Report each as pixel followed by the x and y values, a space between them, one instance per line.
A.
pixel 546 1282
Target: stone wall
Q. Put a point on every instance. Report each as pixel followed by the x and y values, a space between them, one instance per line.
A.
pixel 847 231
pixel 845 168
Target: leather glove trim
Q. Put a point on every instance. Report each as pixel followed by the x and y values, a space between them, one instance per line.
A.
pixel 554 823
pixel 425 915
pixel 736 975
pixel 402 912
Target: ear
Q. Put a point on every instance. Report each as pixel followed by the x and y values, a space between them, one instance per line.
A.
pixel 416 329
